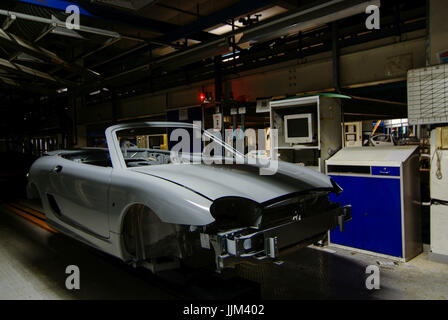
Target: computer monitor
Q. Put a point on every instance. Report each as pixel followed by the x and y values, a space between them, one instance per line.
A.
pixel 299 128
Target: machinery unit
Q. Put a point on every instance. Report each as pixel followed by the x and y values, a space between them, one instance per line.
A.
pixel 309 129
pixel 383 186
pixel 352 134
pixel 439 195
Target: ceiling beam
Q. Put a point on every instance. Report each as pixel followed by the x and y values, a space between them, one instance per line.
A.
pixel 322 13
pixel 128 4
pixel 8 22
pixel 61 24
pixel 287 4
pixel 142 4
pixel 238 9
pixel 31 73
pixel 190 13
pixel 205 22
pixel 117 16
pixel 19 45
pixel 26 86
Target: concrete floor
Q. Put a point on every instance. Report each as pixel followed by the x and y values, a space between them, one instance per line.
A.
pixel 33 262
pixel 334 273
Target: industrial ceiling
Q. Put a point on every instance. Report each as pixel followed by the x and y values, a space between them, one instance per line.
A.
pixel 141 46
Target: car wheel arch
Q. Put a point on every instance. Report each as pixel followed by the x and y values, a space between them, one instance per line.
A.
pixel 131 208
pixel 33 191
pixel 137 228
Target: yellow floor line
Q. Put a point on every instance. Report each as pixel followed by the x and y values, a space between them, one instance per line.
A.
pixel 29 210
pixel 30 218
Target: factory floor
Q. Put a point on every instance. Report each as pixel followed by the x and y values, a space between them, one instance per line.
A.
pixel 33 262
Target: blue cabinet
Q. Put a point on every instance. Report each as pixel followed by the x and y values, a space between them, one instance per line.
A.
pixel 376 212
pixel 383 187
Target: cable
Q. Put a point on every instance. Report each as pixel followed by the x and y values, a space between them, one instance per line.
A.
pixel 439 174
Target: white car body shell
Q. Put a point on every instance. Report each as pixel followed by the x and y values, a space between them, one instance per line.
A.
pixel 94 199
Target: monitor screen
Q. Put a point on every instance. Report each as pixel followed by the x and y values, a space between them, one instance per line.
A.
pixel 298 128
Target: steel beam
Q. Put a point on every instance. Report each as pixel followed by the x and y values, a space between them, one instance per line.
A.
pixel 236 10
pixel 106 44
pixel 9 21
pixel 196 28
pixel 61 24
pixel 19 45
pixel 128 4
pixel 325 12
pixel 134 21
pixel 300 19
pixel 30 73
pixel 44 33
pixel 260 56
pixel 130 51
pixel 26 87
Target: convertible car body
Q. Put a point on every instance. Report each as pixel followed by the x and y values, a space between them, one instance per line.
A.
pixel 136 204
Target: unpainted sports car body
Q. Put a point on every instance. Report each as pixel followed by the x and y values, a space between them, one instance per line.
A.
pixel 137 205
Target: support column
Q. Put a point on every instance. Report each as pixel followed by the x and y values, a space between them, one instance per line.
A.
pixel 218 91
pixel 335 51
pixel 78 103
pixel 218 79
pixel 115 103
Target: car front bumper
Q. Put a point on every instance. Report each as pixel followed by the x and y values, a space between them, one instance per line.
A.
pixel 236 245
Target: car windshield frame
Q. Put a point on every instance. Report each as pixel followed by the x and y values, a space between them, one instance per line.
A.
pixel 115 151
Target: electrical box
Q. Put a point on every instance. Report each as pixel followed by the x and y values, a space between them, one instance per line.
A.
pixel 352 134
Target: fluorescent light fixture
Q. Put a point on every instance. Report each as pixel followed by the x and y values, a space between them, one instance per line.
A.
pixel 396 123
pixel 230 59
pixel 94 72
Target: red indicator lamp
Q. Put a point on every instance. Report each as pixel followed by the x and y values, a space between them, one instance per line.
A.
pixel 202 97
